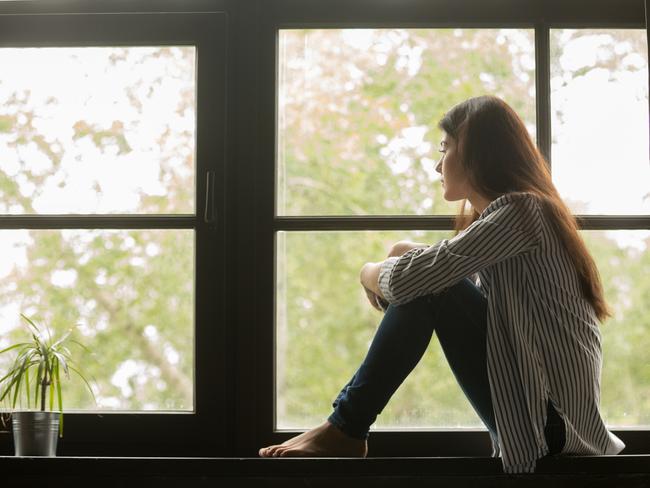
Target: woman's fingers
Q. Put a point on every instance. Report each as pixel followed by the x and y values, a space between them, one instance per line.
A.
pixel 372 298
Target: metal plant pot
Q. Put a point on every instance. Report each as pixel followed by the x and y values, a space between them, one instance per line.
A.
pixel 35 433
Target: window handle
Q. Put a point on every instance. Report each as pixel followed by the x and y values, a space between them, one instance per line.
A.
pixel 210 216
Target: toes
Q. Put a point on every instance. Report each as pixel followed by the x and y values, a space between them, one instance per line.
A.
pixel 275 452
pixel 267 451
pixel 284 451
pixel 278 452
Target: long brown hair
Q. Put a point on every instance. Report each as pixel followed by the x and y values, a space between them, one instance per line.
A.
pixel 498 156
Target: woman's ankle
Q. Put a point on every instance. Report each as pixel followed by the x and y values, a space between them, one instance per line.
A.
pixel 341 433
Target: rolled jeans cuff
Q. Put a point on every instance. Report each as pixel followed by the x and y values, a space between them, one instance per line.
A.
pixel 336 420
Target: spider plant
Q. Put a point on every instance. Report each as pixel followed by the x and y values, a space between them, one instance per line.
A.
pixel 47 355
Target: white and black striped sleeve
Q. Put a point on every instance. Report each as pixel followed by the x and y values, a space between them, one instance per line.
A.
pixel 503 232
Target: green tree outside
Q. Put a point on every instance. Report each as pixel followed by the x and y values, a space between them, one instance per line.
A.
pixel 357 136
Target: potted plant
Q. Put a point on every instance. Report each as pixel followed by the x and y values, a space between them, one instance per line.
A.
pixel 38 366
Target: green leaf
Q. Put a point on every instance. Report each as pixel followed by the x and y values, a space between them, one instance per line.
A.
pixel 19 377
pixel 81 345
pixel 63 339
pixel 7 388
pixel 15 346
pixel 49 334
pixel 61 359
pixel 15 374
pixel 51 391
pixel 58 388
pixel 85 381
pixel 17 365
pixel 27 386
pixel 39 380
pixel 11 371
pixel 44 350
pixel 30 322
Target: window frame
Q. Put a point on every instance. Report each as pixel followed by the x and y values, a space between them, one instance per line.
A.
pixel 295 14
pixel 152 433
pixel 235 314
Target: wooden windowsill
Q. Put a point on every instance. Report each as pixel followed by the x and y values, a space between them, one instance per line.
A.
pixel 316 467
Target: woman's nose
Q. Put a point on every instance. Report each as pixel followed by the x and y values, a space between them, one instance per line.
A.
pixel 439 166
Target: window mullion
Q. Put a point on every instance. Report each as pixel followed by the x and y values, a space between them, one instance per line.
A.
pixel 45 221
pixel 339 223
pixel 543 88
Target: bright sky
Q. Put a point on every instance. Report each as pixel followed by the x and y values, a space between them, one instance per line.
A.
pixel 600 154
pixel 86 88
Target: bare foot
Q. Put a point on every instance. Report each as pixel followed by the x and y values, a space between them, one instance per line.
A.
pixel 326 440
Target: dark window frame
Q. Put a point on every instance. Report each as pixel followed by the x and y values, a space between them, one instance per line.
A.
pixel 235 404
pixel 152 433
pixel 538 15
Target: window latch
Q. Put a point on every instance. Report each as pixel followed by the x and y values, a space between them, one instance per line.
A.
pixel 210 216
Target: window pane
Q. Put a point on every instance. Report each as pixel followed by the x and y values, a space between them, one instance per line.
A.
pixel 599 98
pixel 623 259
pixel 324 330
pixel 132 292
pixel 97 130
pixel 358 112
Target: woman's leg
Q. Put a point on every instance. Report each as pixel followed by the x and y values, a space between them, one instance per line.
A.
pixel 459 317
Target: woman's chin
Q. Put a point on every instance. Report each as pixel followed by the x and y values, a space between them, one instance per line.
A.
pixel 450 197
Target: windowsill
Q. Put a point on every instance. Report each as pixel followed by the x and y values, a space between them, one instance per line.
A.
pixel 216 467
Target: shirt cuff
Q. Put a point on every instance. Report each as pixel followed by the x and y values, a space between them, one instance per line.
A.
pixel 385 272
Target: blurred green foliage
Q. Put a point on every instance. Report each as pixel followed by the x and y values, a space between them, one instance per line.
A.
pixel 357 136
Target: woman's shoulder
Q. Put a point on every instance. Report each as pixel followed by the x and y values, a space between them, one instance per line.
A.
pixel 516 200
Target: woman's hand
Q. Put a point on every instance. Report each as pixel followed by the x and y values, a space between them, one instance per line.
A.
pixel 369 277
pixel 372 298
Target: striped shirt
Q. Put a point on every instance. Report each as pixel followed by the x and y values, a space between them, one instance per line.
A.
pixel 543 338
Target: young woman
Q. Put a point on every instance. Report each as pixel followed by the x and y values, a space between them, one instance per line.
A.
pixel 514 297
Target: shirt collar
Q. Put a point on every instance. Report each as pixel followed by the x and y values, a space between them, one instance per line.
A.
pixel 501 201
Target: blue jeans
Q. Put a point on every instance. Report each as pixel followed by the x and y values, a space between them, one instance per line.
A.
pixel 459 317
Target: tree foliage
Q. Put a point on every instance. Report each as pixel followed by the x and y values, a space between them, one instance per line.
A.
pixel 357 136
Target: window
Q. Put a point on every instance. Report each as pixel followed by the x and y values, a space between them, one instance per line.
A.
pixel 599 103
pixel 109 192
pixel 599 98
pixel 357 135
pixel 237 182
pixel 358 95
pixel 102 130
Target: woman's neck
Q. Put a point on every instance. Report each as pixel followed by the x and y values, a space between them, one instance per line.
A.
pixel 479 202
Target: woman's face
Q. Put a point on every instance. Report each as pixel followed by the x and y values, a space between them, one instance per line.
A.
pixel 454 181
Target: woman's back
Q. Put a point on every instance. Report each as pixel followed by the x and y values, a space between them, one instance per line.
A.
pixel 543 343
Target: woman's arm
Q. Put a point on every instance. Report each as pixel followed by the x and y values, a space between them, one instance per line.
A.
pixel 369 275
pixel 511 229
pixel 401 247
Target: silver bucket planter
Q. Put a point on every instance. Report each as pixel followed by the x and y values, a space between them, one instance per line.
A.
pixel 35 433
